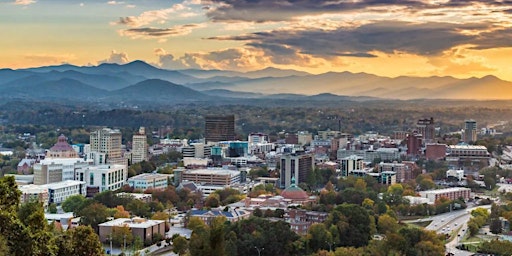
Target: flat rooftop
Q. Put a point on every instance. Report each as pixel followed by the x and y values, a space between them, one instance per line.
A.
pixel 132 223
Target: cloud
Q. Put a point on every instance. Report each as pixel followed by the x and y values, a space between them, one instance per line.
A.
pixel 159 33
pixel 24 2
pixel 282 10
pixel 461 61
pixel 385 36
pixel 116 57
pixel 168 61
pixel 156 16
pixel 114 3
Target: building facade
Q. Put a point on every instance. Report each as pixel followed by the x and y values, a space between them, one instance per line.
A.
pixel 139 146
pixel 297 166
pixel 350 163
pixel 470 131
pixel 219 128
pixel 61 149
pixel 106 147
pixel 142 228
pixel 426 128
pixel 149 181
pixel 101 178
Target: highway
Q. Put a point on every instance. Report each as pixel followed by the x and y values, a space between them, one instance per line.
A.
pixel 455 224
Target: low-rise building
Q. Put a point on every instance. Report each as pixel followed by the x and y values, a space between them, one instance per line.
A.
pixel 301 220
pixel 140 227
pixel 450 193
pixel 149 181
pixel 56 192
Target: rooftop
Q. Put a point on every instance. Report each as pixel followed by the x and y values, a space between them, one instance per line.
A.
pixel 132 223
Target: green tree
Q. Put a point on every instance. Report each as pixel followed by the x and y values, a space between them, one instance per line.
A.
pixel 353 224
pixel 74 203
pixel 393 196
pixel 122 235
pixel 85 242
pixel 387 224
pixel 139 208
pixel 217 236
pixel 52 208
pixel 494 220
pixel 180 245
pixel 93 214
pixel 319 237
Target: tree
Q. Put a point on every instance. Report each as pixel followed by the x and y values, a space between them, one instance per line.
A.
pixel 257 212
pixel 494 220
pixel 52 208
pixel 93 215
pixel 319 237
pixel 387 224
pixel 393 196
pixel 353 224
pixel 180 245
pixel 139 208
pixel 85 242
pixel 73 203
pixel 217 236
pixel 122 235
pixel 121 212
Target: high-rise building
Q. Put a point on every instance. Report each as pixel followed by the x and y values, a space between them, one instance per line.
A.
pixel 297 166
pixel 426 128
pixel 139 146
pixel 219 128
pixel 105 147
pixel 414 143
pixel 470 131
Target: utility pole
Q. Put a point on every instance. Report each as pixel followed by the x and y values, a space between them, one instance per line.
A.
pixel 124 240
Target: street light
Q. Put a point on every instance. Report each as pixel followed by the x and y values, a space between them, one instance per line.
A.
pixel 259 251
pixel 330 245
pixel 124 240
pixel 110 243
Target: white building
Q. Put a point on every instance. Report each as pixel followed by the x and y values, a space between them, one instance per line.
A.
pixel 56 192
pixel 68 166
pixel 350 163
pixel 459 174
pixel 149 180
pixel 197 150
pixel 60 191
pixel 103 177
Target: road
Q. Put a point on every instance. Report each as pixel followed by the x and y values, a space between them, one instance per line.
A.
pixel 454 223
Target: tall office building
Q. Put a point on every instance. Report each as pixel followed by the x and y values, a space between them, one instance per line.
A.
pixel 470 131
pixel 139 146
pixel 219 128
pixel 414 143
pixel 426 128
pixel 297 166
pixel 105 147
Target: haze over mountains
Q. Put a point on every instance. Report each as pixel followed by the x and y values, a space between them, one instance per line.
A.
pixel 138 81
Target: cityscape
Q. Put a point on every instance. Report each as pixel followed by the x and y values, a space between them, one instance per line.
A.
pixel 269 127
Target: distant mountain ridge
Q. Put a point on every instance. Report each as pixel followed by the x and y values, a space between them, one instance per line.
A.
pixel 140 81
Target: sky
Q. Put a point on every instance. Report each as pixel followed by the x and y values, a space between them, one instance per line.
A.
pixel 460 38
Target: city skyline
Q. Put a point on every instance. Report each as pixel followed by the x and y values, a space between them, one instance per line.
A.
pixel 411 38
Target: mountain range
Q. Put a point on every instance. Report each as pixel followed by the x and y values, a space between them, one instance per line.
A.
pixel 141 82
